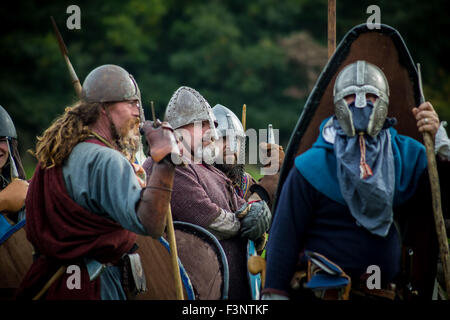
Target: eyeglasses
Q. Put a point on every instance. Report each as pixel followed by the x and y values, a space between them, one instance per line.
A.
pixel 134 103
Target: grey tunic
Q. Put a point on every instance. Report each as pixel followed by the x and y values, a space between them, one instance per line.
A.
pixel 103 182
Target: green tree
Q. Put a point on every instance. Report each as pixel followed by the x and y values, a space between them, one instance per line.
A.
pixel 264 53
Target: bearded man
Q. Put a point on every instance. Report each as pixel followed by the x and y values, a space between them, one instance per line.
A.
pixel 231 158
pixel 204 195
pixel 85 203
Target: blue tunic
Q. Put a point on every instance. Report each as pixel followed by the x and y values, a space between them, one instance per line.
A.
pixel 103 182
pixel 312 215
pixel 307 219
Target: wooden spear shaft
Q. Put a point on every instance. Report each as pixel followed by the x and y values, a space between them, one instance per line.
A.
pixel 65 53
pixel 331 27
pixel 436 196
pixel 244 116
pixel 174 256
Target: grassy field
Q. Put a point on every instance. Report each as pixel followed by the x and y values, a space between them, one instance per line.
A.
pixel 254 171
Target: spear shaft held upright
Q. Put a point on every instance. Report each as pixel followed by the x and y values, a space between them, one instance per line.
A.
pixel 436 196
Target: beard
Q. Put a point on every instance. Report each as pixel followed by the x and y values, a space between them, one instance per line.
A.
pixel 128 138
pixel 234 172
pixel 205 154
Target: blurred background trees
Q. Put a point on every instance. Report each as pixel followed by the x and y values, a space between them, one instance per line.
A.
pixel 264 53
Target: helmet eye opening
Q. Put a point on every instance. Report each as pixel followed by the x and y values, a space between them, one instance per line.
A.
pixel 368 97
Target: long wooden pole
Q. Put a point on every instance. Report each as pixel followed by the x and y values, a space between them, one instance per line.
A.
pixel 331 27
pixel 174 256
pixel 436 196
pixel 244 116
pixel 65 53
pixel 55 277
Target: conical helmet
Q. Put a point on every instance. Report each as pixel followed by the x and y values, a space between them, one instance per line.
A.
pixel 111 83
pixel 187 106
pixel 231 127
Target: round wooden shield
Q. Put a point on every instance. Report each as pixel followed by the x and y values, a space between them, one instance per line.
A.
pixel 203 265
pixel 16 257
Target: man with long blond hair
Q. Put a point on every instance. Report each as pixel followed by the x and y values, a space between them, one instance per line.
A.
pixel 85 204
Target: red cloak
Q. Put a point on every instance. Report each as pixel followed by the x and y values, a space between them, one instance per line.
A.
pixel 63 233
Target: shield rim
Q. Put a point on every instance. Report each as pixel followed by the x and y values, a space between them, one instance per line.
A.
pixel 211 239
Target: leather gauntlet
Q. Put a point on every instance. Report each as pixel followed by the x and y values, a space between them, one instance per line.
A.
pixel 154 204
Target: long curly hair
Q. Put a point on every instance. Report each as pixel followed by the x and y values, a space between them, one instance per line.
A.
pixel 58 141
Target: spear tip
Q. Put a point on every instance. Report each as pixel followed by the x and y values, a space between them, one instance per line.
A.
pixel 62 45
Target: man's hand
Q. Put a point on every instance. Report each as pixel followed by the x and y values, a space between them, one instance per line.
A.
pixel 427 118
pixel 273 154
pixel 12 198
pixel 161 140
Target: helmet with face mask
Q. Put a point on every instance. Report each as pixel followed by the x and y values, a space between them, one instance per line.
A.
pixel 230 126
pixel 361 78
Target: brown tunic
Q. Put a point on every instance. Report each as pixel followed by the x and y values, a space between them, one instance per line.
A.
pixel 199 192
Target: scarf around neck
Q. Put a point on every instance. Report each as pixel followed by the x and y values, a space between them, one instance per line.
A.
pixel 319 166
